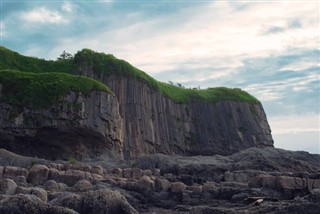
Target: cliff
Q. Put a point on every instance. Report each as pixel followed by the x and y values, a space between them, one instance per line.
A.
pixel 77 124
pixel 145 116
pixel 156 124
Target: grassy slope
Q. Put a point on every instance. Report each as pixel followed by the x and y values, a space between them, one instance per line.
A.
pixel 43 89
pixel 108 64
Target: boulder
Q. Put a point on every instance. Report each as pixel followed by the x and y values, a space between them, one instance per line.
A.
pixel 97 202
pixel 266 181
pixel 96 170
pixel 177 187
pixel 117 172
pixel 82 185
pixel 127 173
pixel 195 189
pixel 29 204
pixel 38 174
pixel 20 180
pixel 136 173
pixel 7 186
pixel 146 184
pixel 163 184
pixel 40 193
pixel 12 172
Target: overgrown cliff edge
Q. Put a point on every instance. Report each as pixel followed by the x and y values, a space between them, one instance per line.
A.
pixel 137 116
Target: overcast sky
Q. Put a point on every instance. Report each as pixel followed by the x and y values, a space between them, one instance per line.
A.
pixel 269 48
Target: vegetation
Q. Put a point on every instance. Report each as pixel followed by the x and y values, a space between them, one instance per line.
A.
pixel 43 89
pixel 108 64
pixel 72 160
pixel 211 95
pixel 101 63
pixel 13 60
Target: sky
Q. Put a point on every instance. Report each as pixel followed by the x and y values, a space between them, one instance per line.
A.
pixel 269 48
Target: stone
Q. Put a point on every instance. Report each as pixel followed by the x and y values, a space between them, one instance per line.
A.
pixel 177 187
pixel 146 184
pixel 98 202
pixel 136 173
pixel 12 172
pixel 97 170
pixel 314 196
pixel 195 189
pixel 127 173
pixel 51 185
pixel 29 204
pixel 40 193
pixel 117 172
pixel 7 186
pixel 82 185
pixel 38 174
pixel 97 177
pixel 266 181
pixel 1 171
pixel 163 184
pixel 20 180
pixel 23 190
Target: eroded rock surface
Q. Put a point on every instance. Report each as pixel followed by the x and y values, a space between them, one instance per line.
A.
pixel 168 184
pixel 78 127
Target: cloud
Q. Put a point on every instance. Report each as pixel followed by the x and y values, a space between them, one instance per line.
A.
pixel 43 15
pixel 67 7
pixel 292 124
pixel 297 132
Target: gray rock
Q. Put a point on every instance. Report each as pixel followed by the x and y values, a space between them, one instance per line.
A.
pixel 82 185
pixel 12 172
pixel 38 174
pixel 29 204
pixel 98 202
pixel 40 193
pixel 7 186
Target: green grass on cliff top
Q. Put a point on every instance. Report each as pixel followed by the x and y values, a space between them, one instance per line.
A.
pixel 107 64
pixel 43 89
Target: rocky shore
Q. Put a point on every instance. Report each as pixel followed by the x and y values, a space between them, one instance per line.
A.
pixel 255 180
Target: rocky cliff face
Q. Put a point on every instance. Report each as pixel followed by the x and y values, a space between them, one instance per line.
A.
pixel 79 126
pixel 156 124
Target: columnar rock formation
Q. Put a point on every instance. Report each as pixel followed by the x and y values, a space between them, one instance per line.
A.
pixel 78 126
pixel 154 123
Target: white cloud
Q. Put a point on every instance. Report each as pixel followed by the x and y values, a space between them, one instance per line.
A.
pixel 67 7
pixel 43 15
pixel 299 66
pixel 296 132
pixel 276 90
pixel 292 124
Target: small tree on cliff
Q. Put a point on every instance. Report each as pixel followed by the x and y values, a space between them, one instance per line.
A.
pixel 64 56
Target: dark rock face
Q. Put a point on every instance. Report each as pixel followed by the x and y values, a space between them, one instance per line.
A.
pixel 156 124
pixel 137 121
pixel 78 126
